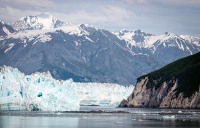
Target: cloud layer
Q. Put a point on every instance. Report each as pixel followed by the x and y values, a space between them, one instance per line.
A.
pixel 154 16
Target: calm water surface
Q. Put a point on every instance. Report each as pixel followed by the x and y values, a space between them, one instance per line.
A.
pixel 98 117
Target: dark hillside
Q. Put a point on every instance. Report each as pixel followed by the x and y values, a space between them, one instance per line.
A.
pixel 185 70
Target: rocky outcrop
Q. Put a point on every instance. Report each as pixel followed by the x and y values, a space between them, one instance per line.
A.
pixel 164 96
pixel 124 103
pixel 6 29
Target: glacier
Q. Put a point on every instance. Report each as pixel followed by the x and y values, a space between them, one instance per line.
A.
pixel 39 91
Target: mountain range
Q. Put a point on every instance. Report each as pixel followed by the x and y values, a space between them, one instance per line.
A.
pixel 86 53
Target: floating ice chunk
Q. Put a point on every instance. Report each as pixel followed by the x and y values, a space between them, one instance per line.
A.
pixel 59 113
pixel 140 120
pixel 179 111
pixel 169 117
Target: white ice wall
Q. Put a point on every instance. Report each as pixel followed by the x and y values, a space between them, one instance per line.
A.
pixel 41 91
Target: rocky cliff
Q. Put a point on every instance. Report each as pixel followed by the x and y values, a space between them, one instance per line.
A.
pixel 163 97
pixel 176 85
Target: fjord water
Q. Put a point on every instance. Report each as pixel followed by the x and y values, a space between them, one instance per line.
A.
pixel 98 117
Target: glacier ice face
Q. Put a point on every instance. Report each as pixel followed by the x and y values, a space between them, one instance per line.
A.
pixel 40 91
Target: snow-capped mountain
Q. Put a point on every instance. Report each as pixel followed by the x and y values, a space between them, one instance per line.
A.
pixel 40 91
pixel 5 29
pixel 89 54
pixel 165 48
pixel 82 52
pixel 43 21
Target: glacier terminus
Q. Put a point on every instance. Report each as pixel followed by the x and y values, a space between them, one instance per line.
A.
pixel 41 92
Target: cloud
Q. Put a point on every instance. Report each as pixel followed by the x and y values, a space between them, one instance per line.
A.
pixel 150 15
pixel 171 2
pixel 79 16
pixel 115 11
pixel 10 14
pixel 29 3
pixel 68 12
pixel 106 15
pixel 186 3
pixel 136 1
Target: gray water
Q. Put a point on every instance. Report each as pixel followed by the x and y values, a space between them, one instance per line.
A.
pixel 99 117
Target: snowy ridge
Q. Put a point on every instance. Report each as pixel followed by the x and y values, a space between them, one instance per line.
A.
pixel 192 39
pixel 142 39
pixel 27 36
pixel 152 42
pixel 126 35
pixel 135 38
pixel 40 91
pixel 169 40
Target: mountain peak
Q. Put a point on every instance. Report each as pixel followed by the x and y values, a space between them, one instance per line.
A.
pixel 140 32
pixel 123 32
pixel 87 26
pixel 169 34
pixel 42 21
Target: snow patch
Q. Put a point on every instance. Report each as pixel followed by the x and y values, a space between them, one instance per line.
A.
pixel 44 38
pixel 10 46
pixel 77 43
pixel 6 30
pixel 169 117
pixel 71 29
pixel 86 37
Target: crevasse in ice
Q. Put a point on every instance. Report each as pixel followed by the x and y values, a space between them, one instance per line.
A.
pixel 40 91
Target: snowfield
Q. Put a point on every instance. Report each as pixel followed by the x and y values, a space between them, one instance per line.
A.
pixel 40 91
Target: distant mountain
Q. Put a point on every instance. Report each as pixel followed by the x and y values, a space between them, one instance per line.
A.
pixel 5 29
pixel 40 22
pixel 176 85
pixel 165 48
pixel 133 37
pixel 86 53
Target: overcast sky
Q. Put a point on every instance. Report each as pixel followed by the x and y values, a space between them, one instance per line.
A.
pixel 153 16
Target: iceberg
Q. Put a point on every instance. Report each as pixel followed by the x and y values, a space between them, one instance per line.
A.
pixel 40 91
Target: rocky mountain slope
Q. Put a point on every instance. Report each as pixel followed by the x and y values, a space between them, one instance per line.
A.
pixel 176 85
pixel 86 53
